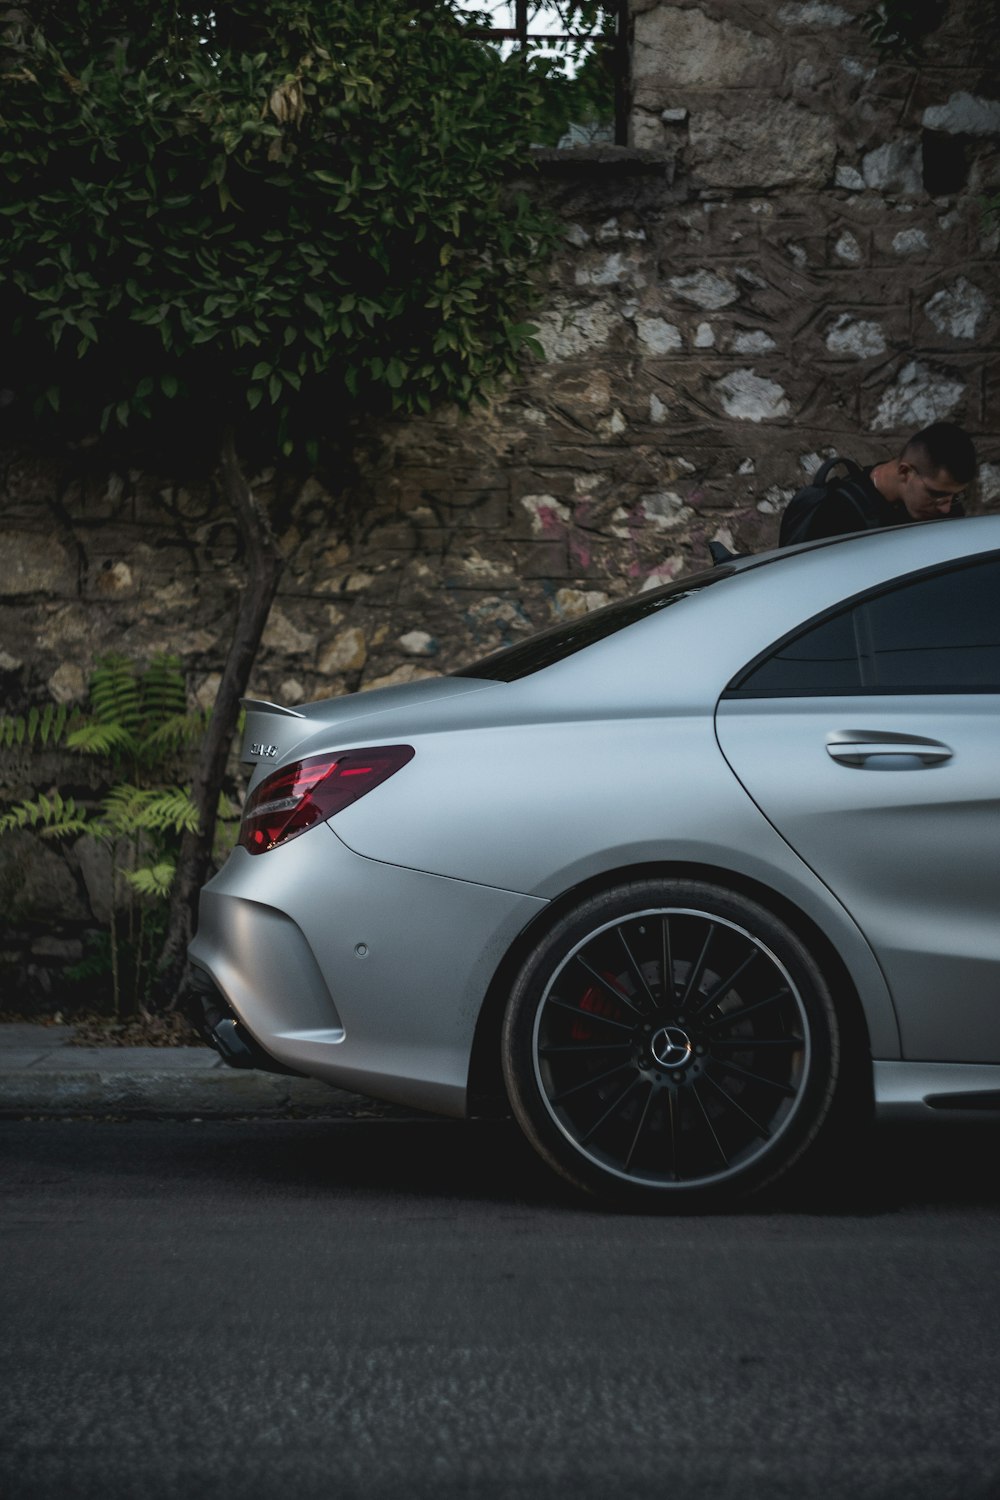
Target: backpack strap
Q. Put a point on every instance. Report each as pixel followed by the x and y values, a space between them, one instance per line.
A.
pixel 850 486
pixel 822 474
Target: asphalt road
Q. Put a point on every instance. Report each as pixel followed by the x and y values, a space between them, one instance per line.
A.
pixel 389 1309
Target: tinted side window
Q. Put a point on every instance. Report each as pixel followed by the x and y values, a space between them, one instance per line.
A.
pixel 822 660
pixel 939 634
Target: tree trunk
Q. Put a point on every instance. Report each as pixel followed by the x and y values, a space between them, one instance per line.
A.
pixel 264 565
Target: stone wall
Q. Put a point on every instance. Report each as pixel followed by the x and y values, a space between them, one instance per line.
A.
pixel 832 234
pixel 790 261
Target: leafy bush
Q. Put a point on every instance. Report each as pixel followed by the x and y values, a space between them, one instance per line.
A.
pixel 290 207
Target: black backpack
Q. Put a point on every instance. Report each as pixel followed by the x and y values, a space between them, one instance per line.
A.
pixel 797 521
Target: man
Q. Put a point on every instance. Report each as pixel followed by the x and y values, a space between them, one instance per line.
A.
pixel 920 485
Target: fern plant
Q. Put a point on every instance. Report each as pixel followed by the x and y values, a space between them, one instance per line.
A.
pixel 137 719
pixel 39 726
pixel 138 724
pixel 53 817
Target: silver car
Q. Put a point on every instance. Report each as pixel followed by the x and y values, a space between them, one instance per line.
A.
pixel 684 883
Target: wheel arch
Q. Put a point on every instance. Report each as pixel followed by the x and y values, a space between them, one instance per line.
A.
pixel 486 1094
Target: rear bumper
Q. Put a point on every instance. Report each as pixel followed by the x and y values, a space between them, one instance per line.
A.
pixel 363 974
pixel 224 1032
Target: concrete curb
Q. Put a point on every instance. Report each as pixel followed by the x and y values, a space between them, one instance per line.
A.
pixel 43 1073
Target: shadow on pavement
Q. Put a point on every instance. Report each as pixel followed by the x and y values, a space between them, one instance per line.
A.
pixel 897 1168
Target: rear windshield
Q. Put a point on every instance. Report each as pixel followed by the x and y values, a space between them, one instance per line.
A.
pixel 550 646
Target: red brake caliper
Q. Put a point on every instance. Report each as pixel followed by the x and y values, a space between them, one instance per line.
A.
pixel 599 1003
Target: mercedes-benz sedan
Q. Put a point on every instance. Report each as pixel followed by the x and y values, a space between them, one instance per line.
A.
pixel 683 882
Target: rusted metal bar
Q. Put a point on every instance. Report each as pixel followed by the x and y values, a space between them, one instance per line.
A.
pixel 621 70
pixel 508 34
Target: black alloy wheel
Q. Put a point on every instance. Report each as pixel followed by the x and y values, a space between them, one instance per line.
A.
pixel 670 1044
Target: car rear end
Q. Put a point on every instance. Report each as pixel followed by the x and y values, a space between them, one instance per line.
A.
pixel 316 959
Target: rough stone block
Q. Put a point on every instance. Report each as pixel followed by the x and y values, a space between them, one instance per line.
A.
pixel 347 652
pixel 615 268
pixel 706 288
pixel 33 563
pixel 657 336
pixel 854 338
pixel 894 168
pixel 988 420
pixel 958 312
pixel 684 49
pixel 750 396
pixel 68 683
pixel 989 484
pixel 813 14
pixel 919 394
pixel 573 328
pixel 778 144
pixel 283 636
pixel 37 886
pixel 965 114
pixel 845 248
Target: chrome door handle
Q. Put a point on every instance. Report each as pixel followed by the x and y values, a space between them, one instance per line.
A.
pixel 874 749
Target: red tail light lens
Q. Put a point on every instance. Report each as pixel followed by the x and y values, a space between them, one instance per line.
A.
pixel 310 791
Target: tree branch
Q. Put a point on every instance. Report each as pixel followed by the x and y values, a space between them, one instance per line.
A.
pixel 264 567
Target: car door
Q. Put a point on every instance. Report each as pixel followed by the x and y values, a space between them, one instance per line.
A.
pixel 871 741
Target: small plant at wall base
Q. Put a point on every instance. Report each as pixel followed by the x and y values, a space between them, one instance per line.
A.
pixel 140 731
pixel 252 224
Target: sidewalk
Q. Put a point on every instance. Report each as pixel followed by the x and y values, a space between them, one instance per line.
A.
pixel 42 1073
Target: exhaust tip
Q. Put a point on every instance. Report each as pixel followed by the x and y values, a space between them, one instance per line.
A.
pixel 217 1025
pixel 226 1039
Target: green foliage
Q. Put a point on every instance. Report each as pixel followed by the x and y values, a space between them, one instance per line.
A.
pixel 574 79
pixel 577 81
pixel 96 738
pixel 131 809
pixel 137 724
pixel 137 717
pixel 898 27
pixel 39 726
pixel 96 960
pixel 155 880
pixel 52 816
pixel 123 956
pixel 286 207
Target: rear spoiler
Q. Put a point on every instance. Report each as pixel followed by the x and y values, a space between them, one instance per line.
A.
pixel 263 738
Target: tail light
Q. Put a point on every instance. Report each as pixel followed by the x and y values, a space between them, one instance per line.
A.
pixel 308 792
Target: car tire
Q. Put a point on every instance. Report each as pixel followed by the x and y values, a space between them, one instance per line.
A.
pixel 670 1044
